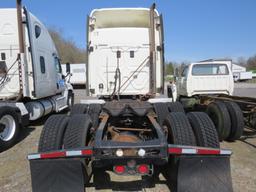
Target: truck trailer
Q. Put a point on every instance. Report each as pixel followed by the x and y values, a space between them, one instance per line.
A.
pixel 77 73
pixel 128 127
pixel 31 80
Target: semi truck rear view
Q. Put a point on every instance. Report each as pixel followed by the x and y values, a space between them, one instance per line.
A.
pixel 31 80
pixel 119 62
pixel 128 127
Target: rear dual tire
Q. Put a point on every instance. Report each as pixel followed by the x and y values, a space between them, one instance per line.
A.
pixel 179 129
pixel 219 114
pixel 93 110
pixel 195 129
pixel 163 109
pixel 63 132
pixel 179 133
pixel 204 129
pixel 53 133
pixel 78 135
pixel 237 121
pixel 227 118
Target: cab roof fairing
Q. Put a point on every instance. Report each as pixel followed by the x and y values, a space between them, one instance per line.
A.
pixel 139 18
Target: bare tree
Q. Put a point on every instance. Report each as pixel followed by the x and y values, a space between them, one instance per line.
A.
pixel 251 63
pixel 67 49
pixel 241 61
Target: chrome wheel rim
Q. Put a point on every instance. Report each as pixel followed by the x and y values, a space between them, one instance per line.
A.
pixel 10 127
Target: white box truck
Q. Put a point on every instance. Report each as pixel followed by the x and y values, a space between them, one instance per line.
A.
pixel 31 80
pixel 77 74
pixel 243 76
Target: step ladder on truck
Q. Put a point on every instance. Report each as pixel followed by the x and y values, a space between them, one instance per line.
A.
pixel 128 128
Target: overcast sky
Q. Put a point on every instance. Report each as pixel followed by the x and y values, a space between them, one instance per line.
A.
pixel 194 29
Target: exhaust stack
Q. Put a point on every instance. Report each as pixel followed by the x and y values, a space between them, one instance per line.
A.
pixel 20 27
pixel 152 57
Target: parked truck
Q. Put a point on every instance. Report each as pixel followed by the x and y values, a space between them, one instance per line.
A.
pixel 128 128
pixel 243 76
pixel 77 74
pixel 208 86
pixel 31 80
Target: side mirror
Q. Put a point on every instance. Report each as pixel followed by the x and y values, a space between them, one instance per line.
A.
pixel 67 68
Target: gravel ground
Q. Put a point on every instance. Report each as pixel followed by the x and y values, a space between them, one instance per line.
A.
pixel 15 175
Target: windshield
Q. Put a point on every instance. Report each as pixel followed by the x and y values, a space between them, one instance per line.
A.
pixel 210 69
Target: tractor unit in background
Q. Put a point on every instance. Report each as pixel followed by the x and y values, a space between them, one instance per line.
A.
pixel 31 80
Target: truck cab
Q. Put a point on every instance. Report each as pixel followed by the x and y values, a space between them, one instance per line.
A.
pixel 31 81
pixel 41 65
pixel 206 78
pixel 119 52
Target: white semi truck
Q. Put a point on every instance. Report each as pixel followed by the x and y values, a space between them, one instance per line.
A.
pixel 110 51
pixel 31 80
pixel 127 128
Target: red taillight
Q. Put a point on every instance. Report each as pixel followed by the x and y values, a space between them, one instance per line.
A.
pixel 143 169
pixel 119 169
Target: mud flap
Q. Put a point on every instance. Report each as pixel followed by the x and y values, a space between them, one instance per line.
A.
pixel 200 174
pixel 53 175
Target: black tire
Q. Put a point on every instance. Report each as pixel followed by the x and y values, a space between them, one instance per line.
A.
pixel 179 129
pixel 161 111
pixel 237 121
pixel 79 109
pixel 71 100
pixel 204 129
pixel 219 114
pixel 175 107
pixel 77 131
pixel 52 133
pixel 180 133
pixel 8 116
pixel 78 135
pixel 94 112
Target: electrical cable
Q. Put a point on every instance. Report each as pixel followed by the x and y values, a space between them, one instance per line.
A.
pixel 3 79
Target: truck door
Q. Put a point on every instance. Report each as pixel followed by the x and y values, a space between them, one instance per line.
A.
pixel 182 81
pixel 60 81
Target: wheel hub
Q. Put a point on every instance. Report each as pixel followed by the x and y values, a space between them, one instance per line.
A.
pixel 7 127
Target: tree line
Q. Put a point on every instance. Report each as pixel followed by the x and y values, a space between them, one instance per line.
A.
pixel 249 63
pixel 67 49
pixel 70 52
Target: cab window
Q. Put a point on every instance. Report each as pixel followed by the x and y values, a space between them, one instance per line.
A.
pixel 210 69
pixel 37 31
pixel 57 65
pixel 184 72
pixel 42 64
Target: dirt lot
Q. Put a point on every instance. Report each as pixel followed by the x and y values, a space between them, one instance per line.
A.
pixel 15 175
